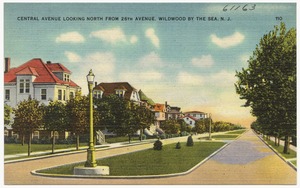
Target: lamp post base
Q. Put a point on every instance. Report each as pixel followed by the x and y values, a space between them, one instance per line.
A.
pixel 98 170
pixel 91 161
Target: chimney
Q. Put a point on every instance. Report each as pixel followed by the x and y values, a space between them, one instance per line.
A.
pixel 48 62
pixel 7 64
pixel 96 84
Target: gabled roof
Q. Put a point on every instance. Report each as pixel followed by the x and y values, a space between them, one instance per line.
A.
pixel 37 68
pixel 194 112
pixel 57 67
pixel 187 116
pixel 110 88
pixel 143 97
pixel 159 107
pixel 27 71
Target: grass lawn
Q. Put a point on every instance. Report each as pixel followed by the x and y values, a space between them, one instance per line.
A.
pixel 237 132
pixel 18 148
pixel 225 136
pixel 111 140
pixel 279 149
pixel 151 162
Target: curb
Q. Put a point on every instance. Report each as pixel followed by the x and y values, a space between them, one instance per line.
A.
pixel 130 177
pixel 277 153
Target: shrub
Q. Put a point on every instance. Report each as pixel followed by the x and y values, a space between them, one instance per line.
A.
pixel 163 136
pixel 178 146
pixel 157 145
pixel 190 141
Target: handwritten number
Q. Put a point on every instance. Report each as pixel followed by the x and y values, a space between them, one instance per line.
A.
pixel 246 7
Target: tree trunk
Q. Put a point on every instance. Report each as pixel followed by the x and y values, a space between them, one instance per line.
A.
pixel 29 144
pixel 129 138
pixel 286 148
pixel 23 139
pixel 77 142
pixel 53 141
pixel 141 134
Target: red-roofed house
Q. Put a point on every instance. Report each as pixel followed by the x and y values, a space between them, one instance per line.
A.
pixel 38 80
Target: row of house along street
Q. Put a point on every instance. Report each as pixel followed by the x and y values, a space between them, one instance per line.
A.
pixel 246 161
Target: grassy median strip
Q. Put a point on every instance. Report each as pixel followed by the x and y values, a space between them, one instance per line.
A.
pixel 150 162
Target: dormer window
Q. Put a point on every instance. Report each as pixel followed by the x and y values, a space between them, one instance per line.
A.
pixel 66 77
pixel 120 93
pixel 98 94
pixel 24 86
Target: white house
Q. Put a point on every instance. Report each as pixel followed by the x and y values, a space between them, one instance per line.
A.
pixel 191 117
pixel 42 81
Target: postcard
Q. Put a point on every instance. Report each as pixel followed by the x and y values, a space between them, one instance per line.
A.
pixel 184 71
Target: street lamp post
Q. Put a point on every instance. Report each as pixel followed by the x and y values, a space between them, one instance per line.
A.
pixel 209 136
pixel 91 161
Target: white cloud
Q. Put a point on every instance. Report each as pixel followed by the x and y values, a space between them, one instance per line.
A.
pixel 151 60
pixel 223 79
pixel 229 41
pixel 112 36
pixel 151 75
pixel 72 57
pixel 71 37
pixel 102 62
pixel 133 39
pixel 150 33
pixel 204 61
pixel 189 79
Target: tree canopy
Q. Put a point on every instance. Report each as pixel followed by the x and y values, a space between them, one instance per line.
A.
pixel 269 83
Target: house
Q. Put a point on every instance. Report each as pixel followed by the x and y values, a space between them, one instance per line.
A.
pixel 189 120
pixel 146 101
pixel 42 81
pixel 191 117
pixel 196 114
pixel 121 89
pixel 173 112
pixel 160 115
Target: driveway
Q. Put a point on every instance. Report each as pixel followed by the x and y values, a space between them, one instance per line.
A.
pixel 246 161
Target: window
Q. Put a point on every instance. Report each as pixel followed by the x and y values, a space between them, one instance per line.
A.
pixel 59 94
pixel 35 134
pixel 27 86
pixel 43 94
pixel 64 96
pixel 98 94
pixel 194 115
pixel 7 94
pixel 191 123
pixel 119 93
pixel 66 77
pixel 56 134
pixel 71 95
pixel 24 86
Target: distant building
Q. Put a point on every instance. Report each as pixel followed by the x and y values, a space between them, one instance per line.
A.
pixel 191 117
pixel 173 112
pixel 121 89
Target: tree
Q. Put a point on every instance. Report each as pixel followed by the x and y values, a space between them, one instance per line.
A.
pixel 170 126
pixel 28 118
pixel 269 83
pixel 7 113
pixel 77 116
pixel 141 117
pixel 55 119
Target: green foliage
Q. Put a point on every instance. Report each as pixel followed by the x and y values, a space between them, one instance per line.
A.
pixel 55 116
pixel 7 114
pixel 269 83
pixel 28 117
pixel 171 126
pixel 157 145
pixel 190 141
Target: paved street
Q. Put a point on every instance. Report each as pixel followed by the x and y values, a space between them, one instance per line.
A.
pixel 246 161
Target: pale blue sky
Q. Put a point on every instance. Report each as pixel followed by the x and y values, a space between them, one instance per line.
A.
pixel 190 64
